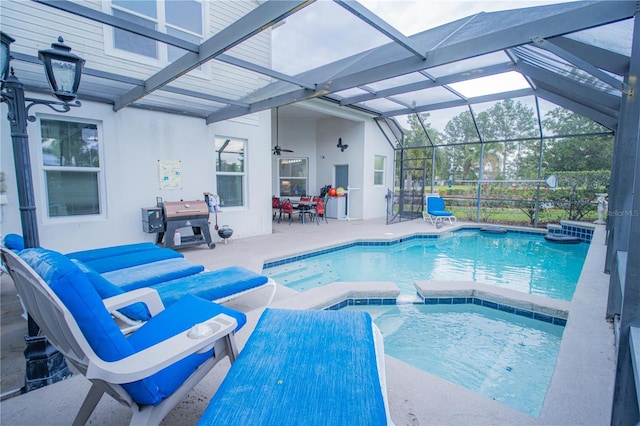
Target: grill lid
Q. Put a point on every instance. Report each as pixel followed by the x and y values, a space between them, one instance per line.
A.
pixel 182 209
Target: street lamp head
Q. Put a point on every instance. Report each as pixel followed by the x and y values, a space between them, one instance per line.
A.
pixel 5 55
pixel 63 70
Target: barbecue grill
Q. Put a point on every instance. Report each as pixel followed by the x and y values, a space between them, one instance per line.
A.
pixel 185 214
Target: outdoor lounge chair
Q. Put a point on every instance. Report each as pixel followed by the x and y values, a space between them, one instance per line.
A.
pixel 102 252
pixel 435 211
pixel 152 369
pixel 165 270
pixel 218 286
pixel 128 260
pixel 305 367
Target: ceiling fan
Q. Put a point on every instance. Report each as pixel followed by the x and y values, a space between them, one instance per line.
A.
pixel 278 150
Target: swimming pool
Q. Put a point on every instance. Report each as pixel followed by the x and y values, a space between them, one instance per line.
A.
pixel 503 356
pixel 519 261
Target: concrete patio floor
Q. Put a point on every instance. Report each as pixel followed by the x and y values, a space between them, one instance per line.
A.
pixel 580 392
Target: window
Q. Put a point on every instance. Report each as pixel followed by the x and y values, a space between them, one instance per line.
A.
pixel 378 170
pixel 230 171
pixel 72 169
pixel 180 18
pixel 293 177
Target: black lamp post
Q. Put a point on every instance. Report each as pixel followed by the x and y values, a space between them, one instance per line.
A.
pixel 44 364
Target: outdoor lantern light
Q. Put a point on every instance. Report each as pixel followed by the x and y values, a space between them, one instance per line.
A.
pixel 44 363
pixel 63 70
pixel 5 53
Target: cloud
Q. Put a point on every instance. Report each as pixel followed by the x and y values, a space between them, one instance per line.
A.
pixel 320 34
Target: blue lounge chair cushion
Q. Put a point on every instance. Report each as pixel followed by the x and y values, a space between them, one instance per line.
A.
pixel 13 242
pixel 137 311
pixel 211 285
pixel 303 367
pixel 435 207
pixel 99 253
pixel 440 213
pixel 127 260
pixel 72 286
pixel 148 274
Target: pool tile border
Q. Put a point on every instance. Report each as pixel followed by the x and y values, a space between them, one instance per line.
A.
pixel 582 231
pixel 453 301
pixel 362 302
pixel 381 243
pixel 497 306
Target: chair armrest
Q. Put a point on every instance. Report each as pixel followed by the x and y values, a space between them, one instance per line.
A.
pixel 148 296
pixel 153 359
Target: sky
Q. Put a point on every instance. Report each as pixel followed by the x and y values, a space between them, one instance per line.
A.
pixel 324 31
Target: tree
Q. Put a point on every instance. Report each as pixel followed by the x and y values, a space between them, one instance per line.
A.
pixel 576 153
pixel 461 134
pixel 510 121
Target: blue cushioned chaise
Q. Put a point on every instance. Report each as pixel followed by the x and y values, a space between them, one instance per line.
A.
pixel 305 368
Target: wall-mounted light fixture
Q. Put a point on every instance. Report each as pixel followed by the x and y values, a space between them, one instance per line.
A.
pixel 341 145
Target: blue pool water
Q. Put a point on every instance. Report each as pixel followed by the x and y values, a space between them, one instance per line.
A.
pixel 518 261
pixel 503 356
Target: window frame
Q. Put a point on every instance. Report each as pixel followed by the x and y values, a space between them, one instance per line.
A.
pixel 306 178
pixel 99 171
pixel 243 174
pixel 382 171
pixel 161 25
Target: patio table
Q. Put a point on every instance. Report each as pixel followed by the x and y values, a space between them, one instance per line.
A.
pixel 304 207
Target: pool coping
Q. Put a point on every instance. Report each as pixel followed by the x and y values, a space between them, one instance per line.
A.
pixel 336 293
pixel 516 302
pixel 339 294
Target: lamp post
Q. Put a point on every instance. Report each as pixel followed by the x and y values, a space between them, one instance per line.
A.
pixel 63 69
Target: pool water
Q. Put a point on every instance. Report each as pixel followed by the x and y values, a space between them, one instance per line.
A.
pixel 518 261
pixel 503 356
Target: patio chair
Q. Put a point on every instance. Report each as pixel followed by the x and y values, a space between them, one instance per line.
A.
pixel 305 367
pixel 276 207
pixel 318 211
pixel 152 369
pixel 435 211
pixel 287 208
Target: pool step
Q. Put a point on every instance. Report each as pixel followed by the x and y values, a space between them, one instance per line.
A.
pixel 293 273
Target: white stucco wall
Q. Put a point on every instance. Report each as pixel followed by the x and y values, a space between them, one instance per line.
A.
pixel 365 141
pixel 132 142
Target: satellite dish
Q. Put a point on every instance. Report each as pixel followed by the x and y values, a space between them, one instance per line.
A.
pixel 552 181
